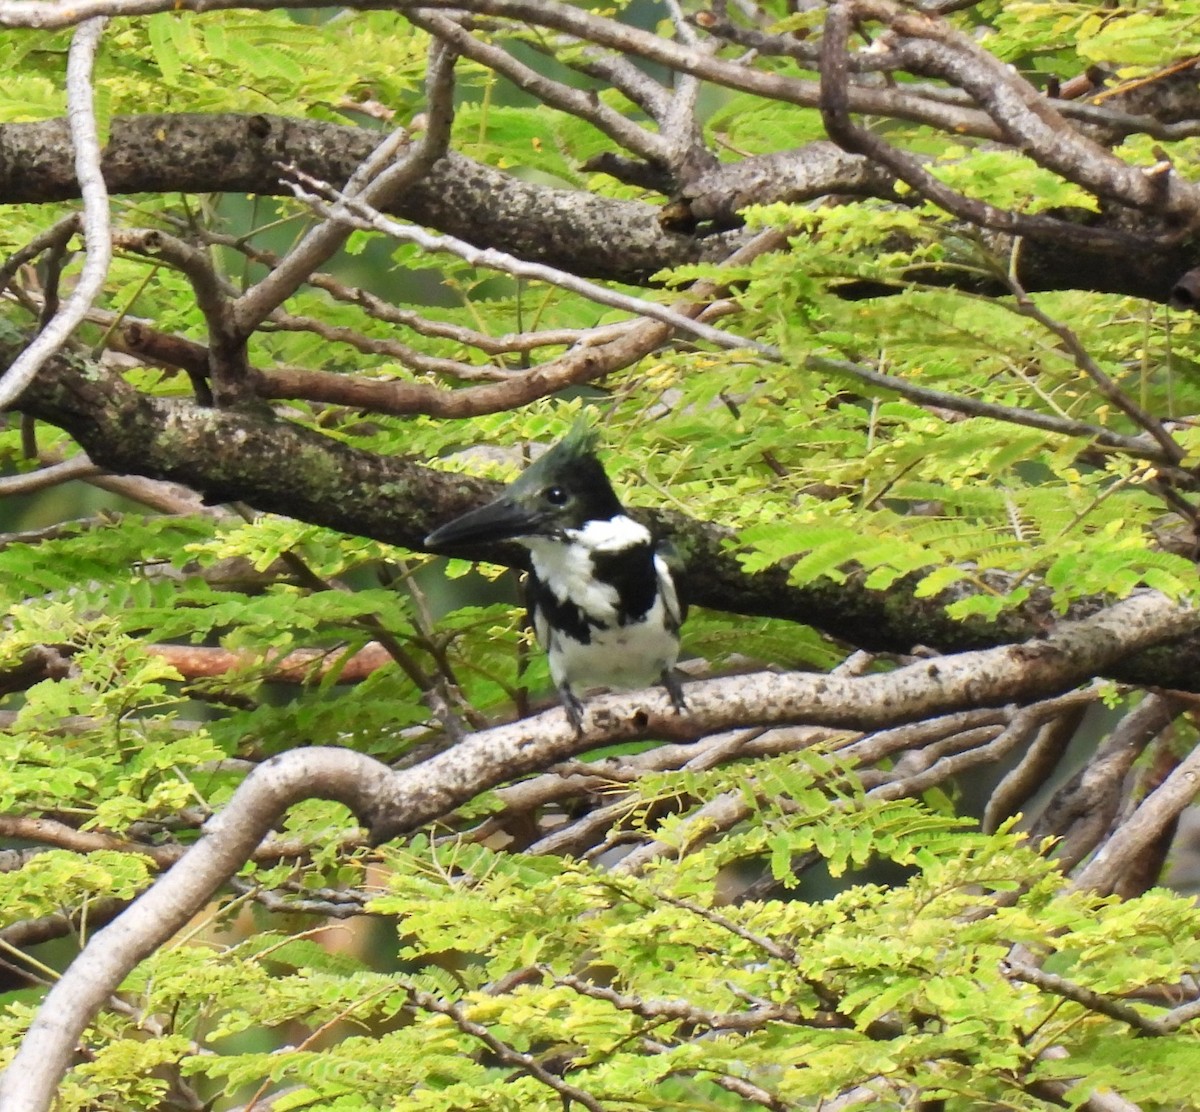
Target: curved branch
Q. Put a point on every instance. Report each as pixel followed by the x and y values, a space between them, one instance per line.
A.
pixel 1139 832
pixel 54 238
pixel 607 349
pixel 837 104
pixel 1027 119
pixel 85 143
pixel 31 1080
pixel 392 803
pixel 28 482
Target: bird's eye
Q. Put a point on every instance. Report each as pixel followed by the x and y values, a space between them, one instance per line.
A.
pixel 556 496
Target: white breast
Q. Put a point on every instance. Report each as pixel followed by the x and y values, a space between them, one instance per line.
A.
pixel 566 566
pixel 619 656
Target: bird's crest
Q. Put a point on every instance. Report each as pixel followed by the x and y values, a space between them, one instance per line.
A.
pixel 562 489
pixel 574 456
pixel 579 443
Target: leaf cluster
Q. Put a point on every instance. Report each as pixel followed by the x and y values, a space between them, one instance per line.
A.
pixel 650 991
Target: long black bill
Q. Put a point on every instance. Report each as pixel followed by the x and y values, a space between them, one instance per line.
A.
pixel 501 520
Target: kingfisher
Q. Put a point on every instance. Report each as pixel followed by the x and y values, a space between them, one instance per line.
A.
pixel 601 596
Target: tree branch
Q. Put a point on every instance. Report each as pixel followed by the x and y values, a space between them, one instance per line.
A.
pixel 204 153
pixel 285 468
pixel 85 143
pixel 374 182
pixel 365 217
pixel 1139 832
pixel 392 803
pixel 571 229
pixel 836 106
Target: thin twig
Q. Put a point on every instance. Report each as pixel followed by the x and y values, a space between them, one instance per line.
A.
pixel 1088 998
pixel 975 407
pixel 526 1063
pixel 577 102
pixel 1026 307
pixel 59 233
pixel 77 467
pixel 364 216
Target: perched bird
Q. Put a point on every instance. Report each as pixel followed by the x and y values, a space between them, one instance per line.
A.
pixel 601 598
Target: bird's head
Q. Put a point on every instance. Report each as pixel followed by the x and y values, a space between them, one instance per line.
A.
pixel 562 489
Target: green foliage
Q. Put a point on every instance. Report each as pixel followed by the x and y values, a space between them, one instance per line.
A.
pixel 647 990
pixel 882 484
pixel 901 984
pixel 264 62
pixel 57 879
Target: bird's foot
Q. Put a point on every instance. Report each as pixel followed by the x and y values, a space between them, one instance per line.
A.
pixel 573 705
pixel 670 680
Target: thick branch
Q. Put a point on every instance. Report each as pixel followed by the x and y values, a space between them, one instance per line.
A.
pixel 199 153
pixel 1134 837
pixel 394 803
pixel 280 467
pixel 572 229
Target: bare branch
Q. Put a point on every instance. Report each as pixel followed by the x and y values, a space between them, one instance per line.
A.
pixel 1034 769
pixel 165 497
pixel 600 352
pixel 225 358
pixel 584 364
pixel 229 840
pixel 366 217
pixel 371 184
pixel 1081 811
pixel 82 120
pixel 578 102
pixel 299 666
pixel 379 309
pixel 280 321
pixel 1089 998
pixel 60 924
pixel 581 25
pixel 1177 1017
pixel 836 105
pixel 77 467
pixel 619 71
pixel 1139 832
pixel 54 237
pixel 1027 119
